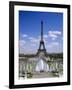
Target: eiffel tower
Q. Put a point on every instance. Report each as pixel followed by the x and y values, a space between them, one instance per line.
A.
pixel 42 45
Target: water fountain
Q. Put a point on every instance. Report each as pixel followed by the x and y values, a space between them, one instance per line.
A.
pixel 42 66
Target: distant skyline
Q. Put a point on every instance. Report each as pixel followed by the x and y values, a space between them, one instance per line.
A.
pixel 30 29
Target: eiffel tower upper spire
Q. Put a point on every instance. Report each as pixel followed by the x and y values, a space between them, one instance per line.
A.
pixel 41 30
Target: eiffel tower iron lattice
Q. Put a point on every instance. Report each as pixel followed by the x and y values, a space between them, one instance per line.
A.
pixel 42 45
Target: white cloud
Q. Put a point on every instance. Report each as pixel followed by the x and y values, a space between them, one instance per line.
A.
pixel 54 34
pixel 48 46
pixel 53 38
pixel 54 47
pixel 51 34
pixel 45 36
pixel 27 49
pixel 57 32
pixel 30 38
pixel 33 44
pixel 55 43
pixel 22 42
pixel 34 40
pixel 24 35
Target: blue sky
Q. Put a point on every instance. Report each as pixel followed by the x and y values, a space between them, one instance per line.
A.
pixel 30 27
